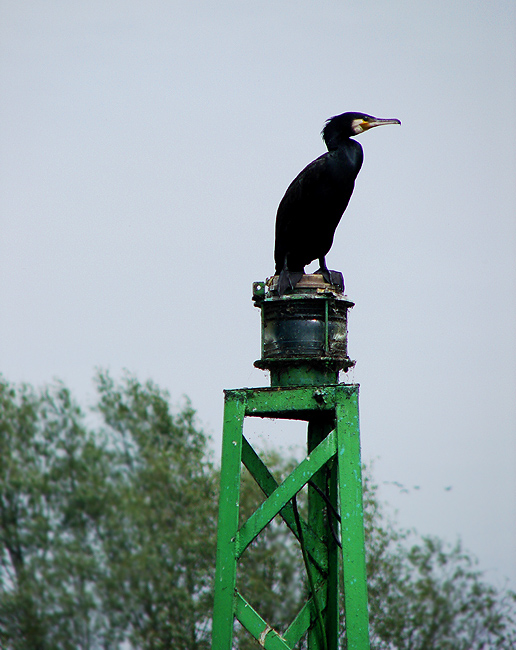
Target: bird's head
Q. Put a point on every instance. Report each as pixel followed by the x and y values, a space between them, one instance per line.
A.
pixel 344 126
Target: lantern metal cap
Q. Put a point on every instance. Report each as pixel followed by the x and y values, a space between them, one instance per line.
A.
pixel 304 331
pixel 311 285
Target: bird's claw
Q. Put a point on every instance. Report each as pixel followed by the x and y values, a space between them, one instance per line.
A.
pixel 288 280
pixel 337 279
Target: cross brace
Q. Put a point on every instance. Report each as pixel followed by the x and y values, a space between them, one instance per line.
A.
pixel 333 467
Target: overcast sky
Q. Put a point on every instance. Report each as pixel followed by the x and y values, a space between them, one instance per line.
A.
pixel 144 149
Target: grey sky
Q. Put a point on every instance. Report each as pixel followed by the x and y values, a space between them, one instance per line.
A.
pixel 145 147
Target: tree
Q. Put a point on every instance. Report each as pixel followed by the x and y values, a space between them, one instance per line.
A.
pixel 107 538
pixel 51 477
pixel 159 535
pixel 425 593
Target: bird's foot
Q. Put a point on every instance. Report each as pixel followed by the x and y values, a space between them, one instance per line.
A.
pixel 287 280
pixel 334 278
pixel 337 279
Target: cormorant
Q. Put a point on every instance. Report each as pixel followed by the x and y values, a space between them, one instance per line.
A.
pixel 316 199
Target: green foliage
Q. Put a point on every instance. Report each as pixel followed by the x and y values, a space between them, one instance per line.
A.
pixel 159 533
pixel 424 593
pixel 432 596
pixel 107 539
pixel 109 535
pixel 50 473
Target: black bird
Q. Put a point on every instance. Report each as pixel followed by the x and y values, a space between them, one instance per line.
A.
pixel 316 199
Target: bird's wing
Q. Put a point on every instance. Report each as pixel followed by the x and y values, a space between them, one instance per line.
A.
pixel 303 193
pixel 307 184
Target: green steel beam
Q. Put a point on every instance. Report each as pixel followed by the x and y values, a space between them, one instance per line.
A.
pixel 290 401
pixel 225 573
pixel 268 484
pixel 299 626
pixel 352 523
pixel 254 623
pixel 333 612
pixel 319 432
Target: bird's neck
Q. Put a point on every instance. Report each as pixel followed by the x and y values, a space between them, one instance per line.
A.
pixel 348 154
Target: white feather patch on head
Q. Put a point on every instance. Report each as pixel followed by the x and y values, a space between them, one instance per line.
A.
pixel 357 127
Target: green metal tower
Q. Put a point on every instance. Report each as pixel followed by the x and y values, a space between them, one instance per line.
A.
pixel 304 346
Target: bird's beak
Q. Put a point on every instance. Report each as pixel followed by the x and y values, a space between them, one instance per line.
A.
pixel 378 121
